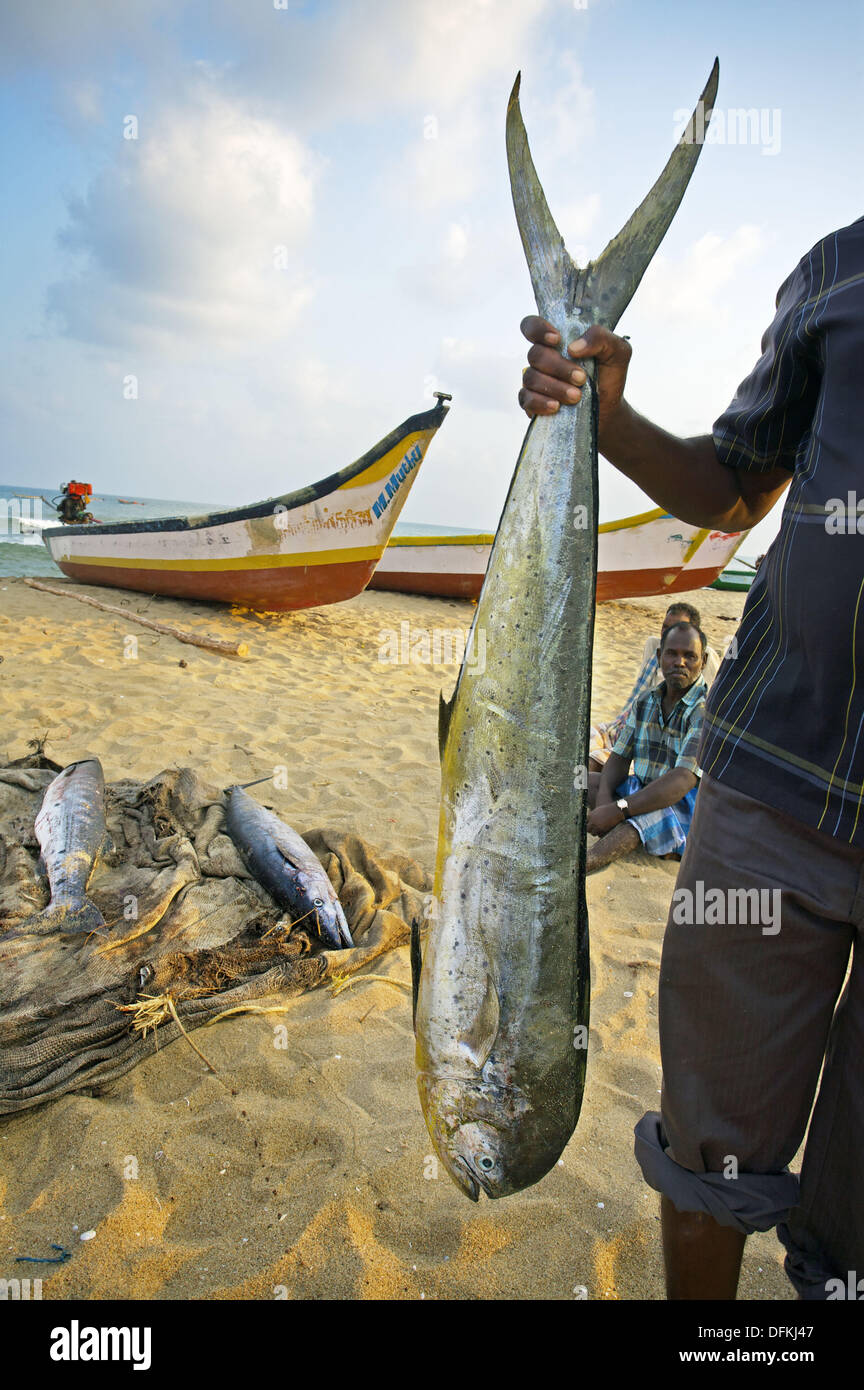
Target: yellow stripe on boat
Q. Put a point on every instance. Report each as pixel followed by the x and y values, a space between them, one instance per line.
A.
pixel 695 543
pixel 240 562
pixel 390 461
pixel 440 540
pixel 629 521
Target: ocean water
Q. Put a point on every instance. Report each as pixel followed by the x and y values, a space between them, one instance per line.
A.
pixel 22 553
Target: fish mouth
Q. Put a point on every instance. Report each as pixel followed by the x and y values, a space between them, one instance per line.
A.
pixel 465 1178
pixel 346 941
pixel 476 1180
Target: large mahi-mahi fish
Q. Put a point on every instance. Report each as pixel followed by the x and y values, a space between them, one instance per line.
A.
pixel 501 1011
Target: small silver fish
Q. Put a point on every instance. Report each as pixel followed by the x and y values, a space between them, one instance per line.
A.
pixel 70 828
pixel 284 864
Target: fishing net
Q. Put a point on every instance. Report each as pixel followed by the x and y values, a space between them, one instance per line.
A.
pixel 189 933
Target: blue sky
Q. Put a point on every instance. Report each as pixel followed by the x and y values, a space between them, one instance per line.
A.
pixel 365 141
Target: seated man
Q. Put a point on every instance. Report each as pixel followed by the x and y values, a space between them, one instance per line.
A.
pixel 605 736
pixel 661 737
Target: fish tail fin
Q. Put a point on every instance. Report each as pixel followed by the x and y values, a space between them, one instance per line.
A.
pixel 615 276
pixel 604 289
pixel 553 273
pixel 69 921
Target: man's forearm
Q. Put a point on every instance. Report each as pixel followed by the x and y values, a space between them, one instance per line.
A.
pixel 662 792
pixel 613 773
pixel 684 476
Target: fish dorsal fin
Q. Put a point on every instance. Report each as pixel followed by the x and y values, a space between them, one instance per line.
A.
pixel 479 1040
pixel 416 967
pixel 445 714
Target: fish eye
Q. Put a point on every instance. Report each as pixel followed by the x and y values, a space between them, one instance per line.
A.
pixel 486 1163
pixel 317 902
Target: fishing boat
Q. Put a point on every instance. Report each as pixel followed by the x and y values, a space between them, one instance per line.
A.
pixel 652 553
pixel 736 577
pixel 710 553
pixel 315 546
pixel 451 566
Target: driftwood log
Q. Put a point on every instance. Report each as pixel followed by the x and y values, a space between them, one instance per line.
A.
pixel 211 644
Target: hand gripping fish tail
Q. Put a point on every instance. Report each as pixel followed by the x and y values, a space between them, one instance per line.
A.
pixel 503 992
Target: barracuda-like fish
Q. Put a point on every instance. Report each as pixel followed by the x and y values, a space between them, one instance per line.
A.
pixel 284 864
pixel 70 828
pixel 501 1010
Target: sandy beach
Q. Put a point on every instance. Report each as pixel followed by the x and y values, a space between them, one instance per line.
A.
pixel 310 1175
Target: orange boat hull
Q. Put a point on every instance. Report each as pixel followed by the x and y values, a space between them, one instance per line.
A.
pixel 277 590
pixel 429 584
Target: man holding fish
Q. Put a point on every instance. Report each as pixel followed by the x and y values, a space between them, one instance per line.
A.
pixel 747 1012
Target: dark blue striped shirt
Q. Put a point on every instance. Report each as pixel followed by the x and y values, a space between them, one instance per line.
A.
pixel 784 721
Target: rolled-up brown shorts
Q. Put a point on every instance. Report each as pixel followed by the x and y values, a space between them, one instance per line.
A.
pixel 747 1016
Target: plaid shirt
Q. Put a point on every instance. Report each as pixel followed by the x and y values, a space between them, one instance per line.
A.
pixel 646 680
pixel 656 745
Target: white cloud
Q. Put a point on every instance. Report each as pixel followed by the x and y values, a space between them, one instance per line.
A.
pixel 53 33
pixel 575 221
pixel 563 119
pixel 692 287
pixel 456 245
pixel 441 160
pixel 479 374
pixel 84 102
pixel 447 64
pixel 429 54
pixel 195 231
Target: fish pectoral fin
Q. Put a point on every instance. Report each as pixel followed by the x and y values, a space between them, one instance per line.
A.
pixel 445 714
pixel 283 854
pixel 479 1040
pixel 416 968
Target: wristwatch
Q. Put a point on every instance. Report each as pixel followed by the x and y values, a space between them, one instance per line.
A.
pixel 623 807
